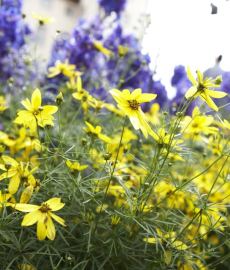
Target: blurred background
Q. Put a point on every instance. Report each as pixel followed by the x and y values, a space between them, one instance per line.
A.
pixel 180 31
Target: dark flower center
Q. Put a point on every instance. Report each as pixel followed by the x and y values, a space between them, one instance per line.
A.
pixel 45 208
pixel 134 104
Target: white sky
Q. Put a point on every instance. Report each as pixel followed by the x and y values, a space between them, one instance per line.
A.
pixel 184 32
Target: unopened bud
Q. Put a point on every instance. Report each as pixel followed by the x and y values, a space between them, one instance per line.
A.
pixel 84 141
pixel 48 126
pixel 11 80
pixel 179 114
pixel 218 80
pixel 85 96
pixel 107 156
pixel 40 109
pixel 59 99
pixel 23 16
pixel 8 165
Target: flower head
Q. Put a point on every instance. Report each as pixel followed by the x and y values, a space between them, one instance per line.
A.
pixel 201 88
pixel 43 216
pixel 64 68
pixel 129 103
pixel 35 113
pixel 43 19
pixel 96 133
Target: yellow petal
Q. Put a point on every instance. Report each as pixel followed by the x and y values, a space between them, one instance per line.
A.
pixel 25 207
pixel 36 99
pixel 151 240
pixel 26 194
pixel 216 94
pixel 55 204
pixel 31 218
pixel 199 75
pixel 49 109
pixel 57 218
pixel 146 98
pixel 41 226
pixel 90 127
pixel 126 94
pixel 14 184
pixel 51 232
pixel 167 256
pixel 104 138
pixel 190 76
pixel 209 101
pixel 227 124
pixel 191 92
pixel 136 93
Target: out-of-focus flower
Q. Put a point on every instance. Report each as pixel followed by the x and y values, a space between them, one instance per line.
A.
pixel 112 6
pixel 42 19
pixel 35 113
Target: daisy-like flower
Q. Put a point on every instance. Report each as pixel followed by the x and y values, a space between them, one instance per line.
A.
pixel 197 124
pixel 75 166
pixel 96 133
pixel 202 88
pixel 43 19
pixel 129 103
pixel 43 216
pixel 18 171
pixel 35 113
pixel 63 68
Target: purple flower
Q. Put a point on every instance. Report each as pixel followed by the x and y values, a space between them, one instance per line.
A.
pixel 179 72
pixel 112 6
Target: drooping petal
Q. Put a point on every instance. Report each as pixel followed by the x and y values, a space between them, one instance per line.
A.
pixel 36 99
pixel 105 138
pixel 209 101
pixel 31 218
pixel 191 92
pixel 51 232
pixel 190 76
pixel 26 194
pixel 7 175
pixel 14 184
pixel 57 218
pixel 41 226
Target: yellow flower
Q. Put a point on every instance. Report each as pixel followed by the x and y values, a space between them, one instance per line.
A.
pixel 129 103
pixel 122 50
pixel 75 166
pixel 193 126
pixel 82 95
pixel 75 80
pixel 17 171
pixel 63 68
pixel 96 133
pixel 42 19
pixel 35 113
pixel 164 138
pixel 115 220
pixel 201 88
pixel 3 199
pixel 43 216
pixel 99 46
pixel 2 104
pixel 169 236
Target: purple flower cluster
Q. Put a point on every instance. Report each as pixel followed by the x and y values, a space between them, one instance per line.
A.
pixel 112 5
pixel 12 31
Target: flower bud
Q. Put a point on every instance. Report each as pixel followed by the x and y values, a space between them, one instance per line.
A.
pixel 59 99
pixel 84 141
pixel 8 165
pixel 40 109
pixel 218 80
pixel 107 156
